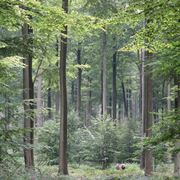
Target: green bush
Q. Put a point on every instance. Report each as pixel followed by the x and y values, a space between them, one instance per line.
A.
pixel 48 143
pixel 101 141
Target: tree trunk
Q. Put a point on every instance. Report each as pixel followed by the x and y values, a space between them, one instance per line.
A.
pixel 109 109
pixel 142 163
pixel 28 96
pixel 79 78
pixel 125 100
pixel 101 110
pixel 168 98
pixel 39 102
pixel 129 101
pixel 57 91
pixel 119 107
pixel 104 77
pixel 89 104
pixel 63 90
pixel 140 79
pixel 72 93
pixel 177 144
pixel 57 104
pixel 147 110
pixel 49 104
pixel 114 90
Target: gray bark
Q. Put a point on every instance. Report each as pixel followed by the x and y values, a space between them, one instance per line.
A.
pixel 28 96
pixel 104 76
pixel 63 169
pixel 146 111
pixel 177 144
pixel 79 79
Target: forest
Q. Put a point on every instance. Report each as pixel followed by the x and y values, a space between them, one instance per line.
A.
pixel 89 89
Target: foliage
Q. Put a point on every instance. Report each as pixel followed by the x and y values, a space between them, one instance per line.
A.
pixel 165 135
pixel 103 139
pixel 11 134
pixel 131 25
pixel 48 143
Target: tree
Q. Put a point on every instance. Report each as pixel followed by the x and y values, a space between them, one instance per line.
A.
pixel 177 144
pixel 63 98
pixel 28 96
pixel 147 110
pixel 114 90
pixel 79 77
pixel 104 74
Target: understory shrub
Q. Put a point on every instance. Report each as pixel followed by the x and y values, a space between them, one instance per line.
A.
pixel 101 142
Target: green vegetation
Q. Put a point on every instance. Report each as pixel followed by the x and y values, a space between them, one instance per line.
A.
pixel 87 84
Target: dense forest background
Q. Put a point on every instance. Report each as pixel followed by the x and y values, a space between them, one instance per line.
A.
pixel 85 85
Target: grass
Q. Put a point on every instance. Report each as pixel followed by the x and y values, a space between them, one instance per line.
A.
pixel 87 172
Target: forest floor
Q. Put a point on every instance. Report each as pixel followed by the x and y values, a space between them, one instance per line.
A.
pixel 87 172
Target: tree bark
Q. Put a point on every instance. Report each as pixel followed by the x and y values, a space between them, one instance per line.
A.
pixel 101 110
pixel 114 90
pixel 169 94
pixel 125 100
pixel 57 96
pixel 109 109
pixel 57 104
pixel 72 93
pixel 129 101
pixel 28 96
pixel 79 79
pixel 119 107
pixel 147 112
pixel 142 164
pixel 104 76
pixel 63 169
pixel 49 104
pixel 140 79
pixel 89 104
pixel 177 111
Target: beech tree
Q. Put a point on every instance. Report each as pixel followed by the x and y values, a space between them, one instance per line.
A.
pixel 147 110
pixel 63 98
pixel 83 63
pixel 28 96
pixel 177 143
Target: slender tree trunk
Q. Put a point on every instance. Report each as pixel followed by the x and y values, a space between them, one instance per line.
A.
pixel 134 106
pixel 101 111
pixel 109 109
pixel 63 90
pixel 49 104
pixel 125 100
pixel 140 79
pixel 89 105
pixel 141 104
pixel 57 91
pixel 129 101
pixel 162 100
pixel 142 164
pixel 147 110
pixel 79 79
pixel 119 107
pixel 114 90
pixel 177 111
pixel 57 104
pixel 104 77
pixel 28 96
pixel 72 93
pixel 169 94
pixel 39 102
